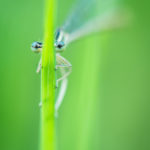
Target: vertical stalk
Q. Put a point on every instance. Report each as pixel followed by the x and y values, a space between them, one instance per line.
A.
pixel 48 81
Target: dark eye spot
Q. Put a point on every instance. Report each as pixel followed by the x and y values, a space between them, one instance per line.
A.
pixel 39 45
pixel 59 46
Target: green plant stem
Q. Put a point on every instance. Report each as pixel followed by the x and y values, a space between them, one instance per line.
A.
pixel 48 81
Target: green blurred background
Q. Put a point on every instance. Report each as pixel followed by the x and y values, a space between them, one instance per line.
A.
pixel 107 102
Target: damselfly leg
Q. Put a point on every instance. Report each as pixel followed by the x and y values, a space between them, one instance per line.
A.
pixel 65 68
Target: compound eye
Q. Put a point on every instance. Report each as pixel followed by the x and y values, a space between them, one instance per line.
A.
pixel 60 45
pixel 36 46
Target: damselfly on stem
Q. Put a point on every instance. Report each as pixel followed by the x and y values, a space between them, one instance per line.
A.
pixel 88 16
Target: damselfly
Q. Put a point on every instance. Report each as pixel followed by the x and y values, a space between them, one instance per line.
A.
pixel 81 22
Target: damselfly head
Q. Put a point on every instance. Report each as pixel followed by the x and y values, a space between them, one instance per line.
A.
pixel 36 46
pixel 59 45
